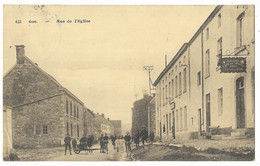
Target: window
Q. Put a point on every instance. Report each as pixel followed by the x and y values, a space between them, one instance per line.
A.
pixel 179 63
pixel 220 101
pixel 207 33
pixel 184 81
pixel 198 79
pixel 219 20
pixel 176 86
pixel 219 46
pixel 181 122
pixel 240 24
pixel 67 107
pixel 185 117
pixel 71 129
pixel 180 86
pixel 37 130
pixel 70 108
pixel 75 110
pixel 163 95
pixel 44 129
pixel 176 68
pixel 207 63
pixel 166 94
pixel 172 88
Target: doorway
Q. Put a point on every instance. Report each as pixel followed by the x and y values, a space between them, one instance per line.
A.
pixel 208 121
pixel 240 103
pixel 199 122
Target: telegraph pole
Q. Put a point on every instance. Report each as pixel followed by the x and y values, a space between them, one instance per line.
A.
pixel 149 69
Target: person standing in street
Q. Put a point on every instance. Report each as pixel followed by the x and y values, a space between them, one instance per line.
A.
pixel 144 135
pixel 127 139
pixel 137 138
pixel 113 139
pixel 67 140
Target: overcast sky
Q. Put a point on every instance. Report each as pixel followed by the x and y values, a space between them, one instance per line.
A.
pixel 101 62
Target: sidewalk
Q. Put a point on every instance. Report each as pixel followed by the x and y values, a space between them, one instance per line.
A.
pixel 241 146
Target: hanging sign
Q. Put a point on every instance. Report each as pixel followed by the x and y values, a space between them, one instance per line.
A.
pixel 172 104
pixel 233 65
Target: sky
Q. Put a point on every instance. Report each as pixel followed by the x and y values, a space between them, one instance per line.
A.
pixel 101 62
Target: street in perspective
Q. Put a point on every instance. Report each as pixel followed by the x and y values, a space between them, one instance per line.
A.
pixel 128 83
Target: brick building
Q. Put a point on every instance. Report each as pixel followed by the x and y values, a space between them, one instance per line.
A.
pixel 140 114
pixel 117 127
pixel 199 91
pixel 43 111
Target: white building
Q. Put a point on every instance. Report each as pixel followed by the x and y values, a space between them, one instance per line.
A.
pixel 207 81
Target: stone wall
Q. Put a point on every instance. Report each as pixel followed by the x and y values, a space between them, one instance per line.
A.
pixel 29 121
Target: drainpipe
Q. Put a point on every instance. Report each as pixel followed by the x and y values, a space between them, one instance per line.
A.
pixel 202 79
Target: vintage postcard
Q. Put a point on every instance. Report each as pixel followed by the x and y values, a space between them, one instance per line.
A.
pixel 129 83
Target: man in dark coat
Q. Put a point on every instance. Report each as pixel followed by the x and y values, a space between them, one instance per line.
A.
pixel 137 138
pixel 67 140
pixel 83 142
pixel 144 135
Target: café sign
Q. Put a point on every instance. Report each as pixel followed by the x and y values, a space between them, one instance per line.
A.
pixel 233 65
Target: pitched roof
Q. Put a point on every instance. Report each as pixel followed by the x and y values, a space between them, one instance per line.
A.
pixel 49 76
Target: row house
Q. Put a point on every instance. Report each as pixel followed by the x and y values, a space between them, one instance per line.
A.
pixel 209 84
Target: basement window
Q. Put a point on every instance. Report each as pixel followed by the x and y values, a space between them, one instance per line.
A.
pixel 45 129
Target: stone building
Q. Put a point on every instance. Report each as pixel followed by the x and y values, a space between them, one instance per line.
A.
pixel 208 87
pixel 89 122
pixel 151 117
pixel 103 125
pixel 43 111
pixel 140 114
pixel 117 127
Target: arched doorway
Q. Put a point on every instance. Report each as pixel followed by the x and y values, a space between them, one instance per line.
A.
pixel 240 103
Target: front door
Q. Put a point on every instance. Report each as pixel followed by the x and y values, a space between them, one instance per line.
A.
pixel 160 131
pixel 208 121
pixel 173 125
pixel 240 103
pixel 199 121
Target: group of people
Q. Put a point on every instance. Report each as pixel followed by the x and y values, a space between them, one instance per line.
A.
pixel 143 136
pixel 118 142
pixel 85 143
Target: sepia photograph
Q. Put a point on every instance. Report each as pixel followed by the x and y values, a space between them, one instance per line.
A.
pixel 128 82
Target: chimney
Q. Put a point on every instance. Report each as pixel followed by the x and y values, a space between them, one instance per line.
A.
pixel 108 119
pixel 19 54
pixel 103 115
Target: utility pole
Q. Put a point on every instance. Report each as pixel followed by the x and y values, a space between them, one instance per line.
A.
pixel 149 69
